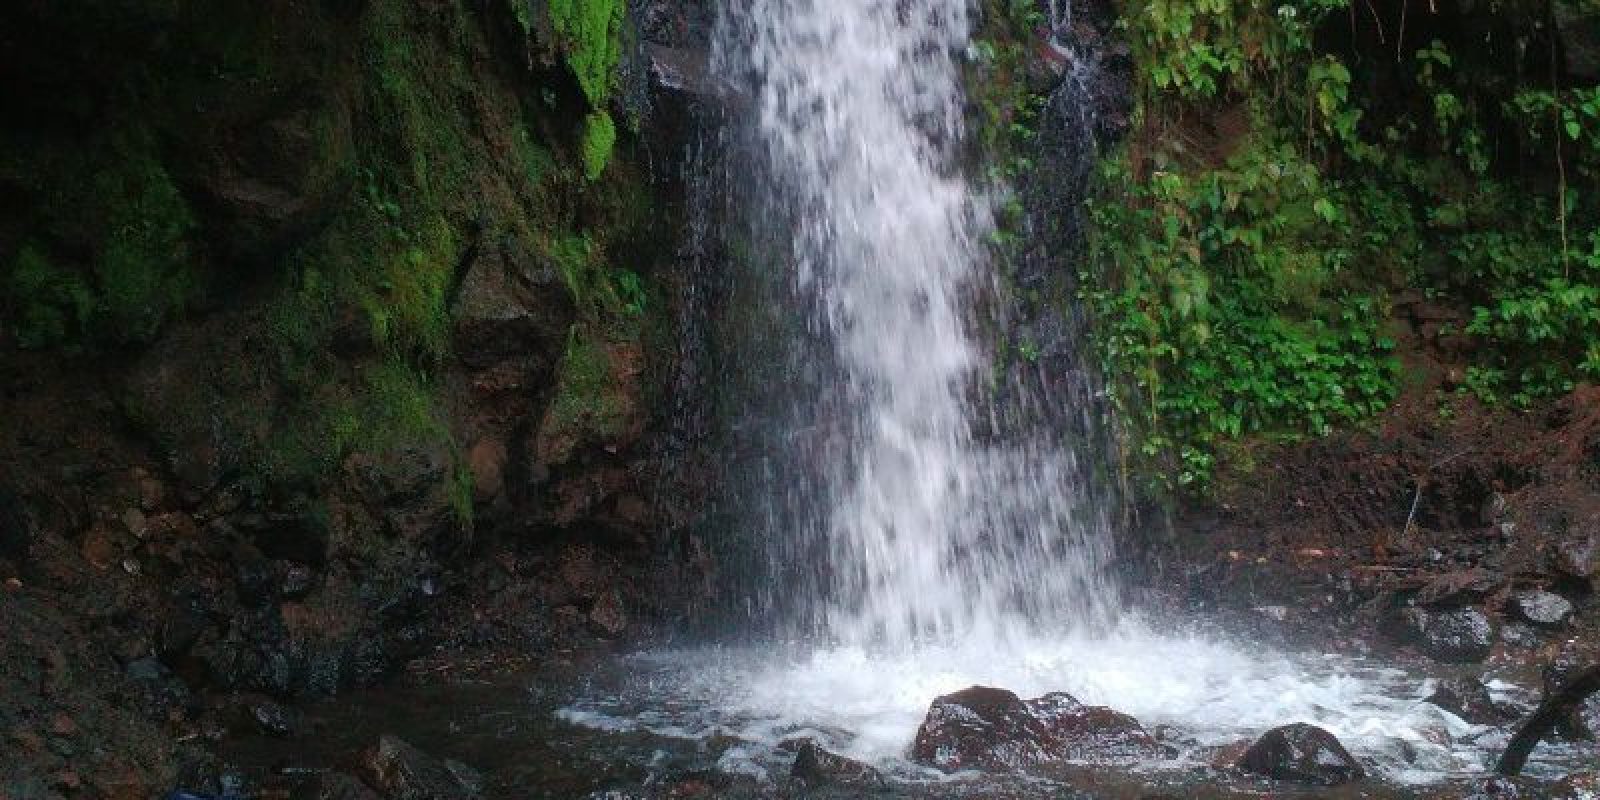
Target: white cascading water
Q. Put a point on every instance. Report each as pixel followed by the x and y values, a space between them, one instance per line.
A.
pixel 954 559
pixel 931 534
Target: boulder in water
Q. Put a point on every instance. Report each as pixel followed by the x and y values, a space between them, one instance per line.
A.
pixel 1092 733
pixel 402 772
pixel 816 767
pixel 981 728
pixel 1468 699
pixel 993 729
pixel 1303 754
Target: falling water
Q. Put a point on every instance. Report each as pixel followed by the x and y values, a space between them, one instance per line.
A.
pixel 930 533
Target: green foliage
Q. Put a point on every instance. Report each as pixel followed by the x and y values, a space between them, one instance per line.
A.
pixel 595 286
pixel 1241 283
pixel 591 36
pixel 599 136
pixel 1222 306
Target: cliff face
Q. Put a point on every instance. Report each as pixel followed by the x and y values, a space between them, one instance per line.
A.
pixel 332 330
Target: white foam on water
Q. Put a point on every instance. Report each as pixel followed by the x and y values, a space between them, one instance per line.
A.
pixel 868 705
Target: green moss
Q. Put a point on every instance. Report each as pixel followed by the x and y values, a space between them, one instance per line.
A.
pixel 109 258
pixel 144 269
pixel 522 12
pixel 591 36
pixel 599 136
pixel 407 302
pixel 49 305
pixel 461 492
pixel 535 159
pixel 397 409
pixel 586 399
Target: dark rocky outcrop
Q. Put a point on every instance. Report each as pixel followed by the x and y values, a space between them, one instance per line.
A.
pixel 1301 753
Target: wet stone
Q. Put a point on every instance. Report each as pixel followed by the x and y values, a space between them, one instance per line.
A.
pixel 1093 733
pixel 1468 699
pixel 816 767
pixel 272 719
pixel 1579 557
pixel 1578 786
pixel 332 786
pixel 400 771
pixel 980 728
pixel 993 729
pixel 1301 753
pixel 1459 636
pixel 1543 609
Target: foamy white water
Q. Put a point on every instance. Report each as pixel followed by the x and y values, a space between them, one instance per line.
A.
pixel 868 705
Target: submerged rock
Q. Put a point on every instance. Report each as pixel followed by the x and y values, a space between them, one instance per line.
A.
pixel 402 772
pixel 815 767
pixel 1543 609
pixel 1303 754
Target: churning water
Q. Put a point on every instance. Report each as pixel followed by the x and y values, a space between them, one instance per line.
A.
pixel 937 557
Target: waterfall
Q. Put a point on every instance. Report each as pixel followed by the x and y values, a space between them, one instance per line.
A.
pixel 929 525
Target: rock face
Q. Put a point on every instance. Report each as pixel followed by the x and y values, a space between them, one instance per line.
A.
pixel 1460 636
pixel 1303 754
pixel 1542 609
pixel 993 729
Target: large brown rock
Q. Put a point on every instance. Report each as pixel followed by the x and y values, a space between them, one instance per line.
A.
pixel 993 729
pixel 1301 753
pixel 981 728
